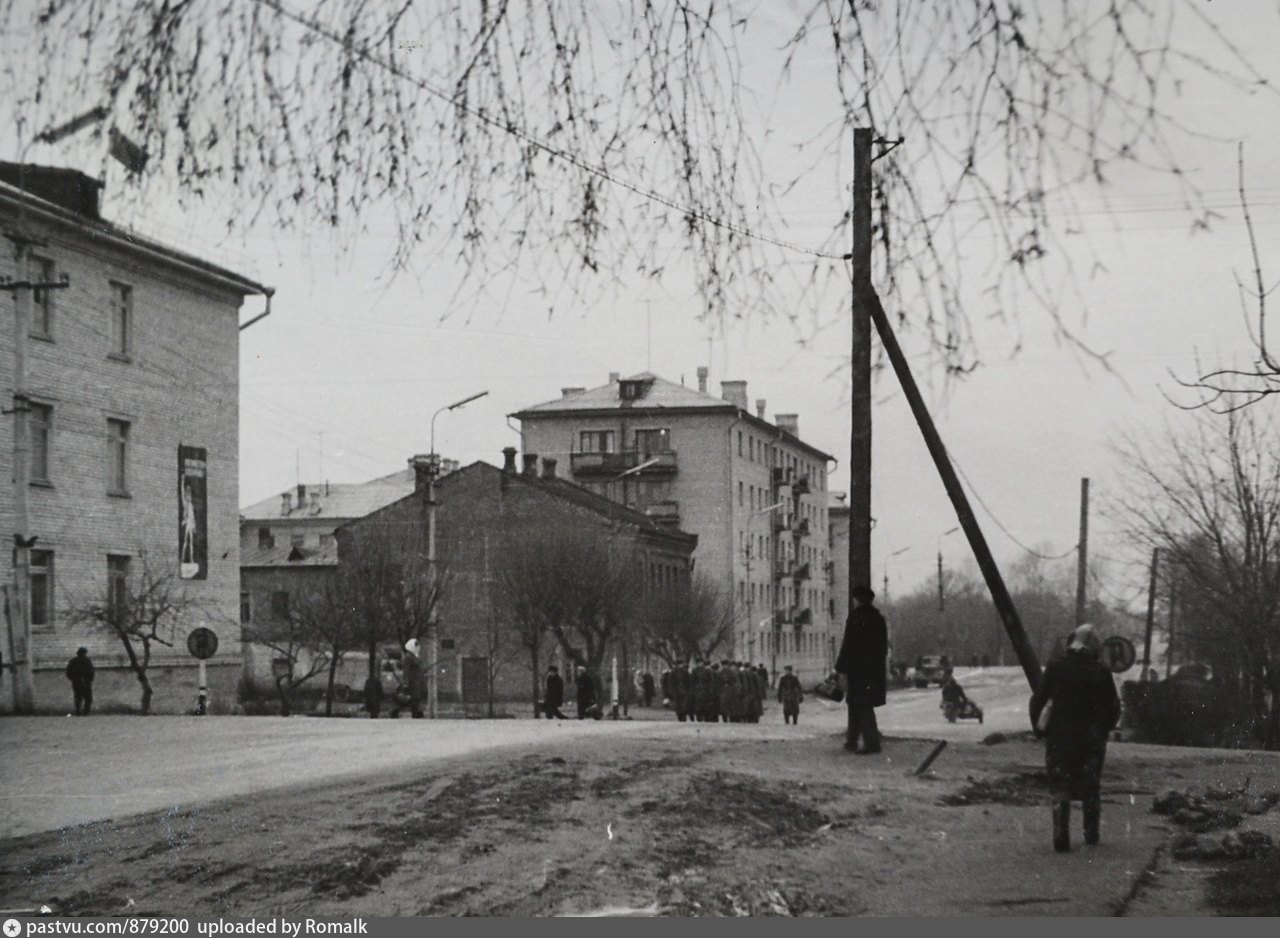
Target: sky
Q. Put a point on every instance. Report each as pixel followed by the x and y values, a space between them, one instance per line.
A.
pixel 340 382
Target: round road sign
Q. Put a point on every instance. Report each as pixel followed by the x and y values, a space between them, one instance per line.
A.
pixel 202 643
pixel 1118 654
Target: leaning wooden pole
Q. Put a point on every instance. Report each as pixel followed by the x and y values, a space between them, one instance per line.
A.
pixel 968 523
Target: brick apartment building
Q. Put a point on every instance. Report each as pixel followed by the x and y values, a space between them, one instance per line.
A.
pixel 130 408
pixel 754 492
pixel 481 508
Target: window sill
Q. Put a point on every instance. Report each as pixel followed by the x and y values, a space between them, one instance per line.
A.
pixel 41 337
pixel 40 483
pixel 120 357
pixel 118 495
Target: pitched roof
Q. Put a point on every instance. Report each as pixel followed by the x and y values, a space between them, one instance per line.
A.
pixel 660 393
pixel 338 501
pixel 286 555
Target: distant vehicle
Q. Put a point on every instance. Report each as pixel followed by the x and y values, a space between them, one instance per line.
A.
pixel 930 669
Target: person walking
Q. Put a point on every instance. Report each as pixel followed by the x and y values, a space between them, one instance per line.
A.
pixel 647 688
pixel 588 699
pixel 373 692
pixel 790 694
pixel 553 696
pixel 80 674
pixel 1074 708
pixel 862 662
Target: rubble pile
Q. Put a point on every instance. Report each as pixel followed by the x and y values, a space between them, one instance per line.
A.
pixel 1216 809
pixel 1245 845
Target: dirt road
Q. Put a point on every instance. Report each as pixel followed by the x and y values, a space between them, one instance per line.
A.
pixel 740 822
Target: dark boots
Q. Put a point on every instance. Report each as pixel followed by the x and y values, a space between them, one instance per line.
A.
pixel 1062 826
pixel 1092 819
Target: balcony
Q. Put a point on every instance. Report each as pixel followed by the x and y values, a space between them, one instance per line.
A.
pixel 801 528
pixel 801 617
pixel 610 465
pixel 781 522
pixel 779 618
pixel 779 477
pixel 800 572
pixel 665 512
pixel 800 486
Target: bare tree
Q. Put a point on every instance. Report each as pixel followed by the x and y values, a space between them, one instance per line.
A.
pixel 691 620
pixel 1208 495
pixel 291 634
pixel 141 611
pixel 333 625
pixel 571 143
pixel 1226 389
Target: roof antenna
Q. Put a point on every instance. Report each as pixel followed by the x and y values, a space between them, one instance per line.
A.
pixel 648 328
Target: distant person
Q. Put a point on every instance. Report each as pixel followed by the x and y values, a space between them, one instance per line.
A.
pixel 647 688
pixel 952 692
pixel 553 696
pixel 80 674
pixel 373 693
pixel 862 662
pixel 790 694
pixel 1082 707
pixel 410 694
pixel 588 699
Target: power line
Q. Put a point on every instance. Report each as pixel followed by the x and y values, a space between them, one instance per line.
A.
pixel 1007 533
pixel 525 136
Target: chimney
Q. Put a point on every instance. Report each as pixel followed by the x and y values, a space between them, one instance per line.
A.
pixel 570 392
pixel 315 501
pixel 548 468
pixel 421 466
pixel 509 460
pixel 285 503
pixel 530 465
pixel 613 377
pixel 789 423
pixel 703 372
pixel 735 392
pixel 760 407
pixel 302 495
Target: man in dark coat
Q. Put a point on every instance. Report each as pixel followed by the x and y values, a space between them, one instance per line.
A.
pixel 647 688
pixel 862 662
pixel 701 675
pixel 553 697
pixel 790 694
pixel 1080 695
pixel 80 674
pixel 587 699
pixel 410 694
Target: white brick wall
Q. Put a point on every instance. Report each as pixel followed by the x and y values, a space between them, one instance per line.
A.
pixel 179 386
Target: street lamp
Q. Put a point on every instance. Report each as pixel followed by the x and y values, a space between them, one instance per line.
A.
pixel 625 664
pixel 941 603
pixel 886 571
pixel 433 638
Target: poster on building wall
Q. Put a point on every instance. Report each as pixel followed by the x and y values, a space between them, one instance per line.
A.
pixel 193 514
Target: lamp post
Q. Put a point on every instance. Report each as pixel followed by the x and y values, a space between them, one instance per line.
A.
pixel 625 668
pixel 433 637
pixel 941 594
pixel 885 571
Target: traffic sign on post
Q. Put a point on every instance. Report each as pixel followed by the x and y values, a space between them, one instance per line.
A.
pixel 202 643
pixel 1118 654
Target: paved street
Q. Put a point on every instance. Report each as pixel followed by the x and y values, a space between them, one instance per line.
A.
pixel 59 772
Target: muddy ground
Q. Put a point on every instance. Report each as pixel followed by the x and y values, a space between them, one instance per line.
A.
pixel 663 826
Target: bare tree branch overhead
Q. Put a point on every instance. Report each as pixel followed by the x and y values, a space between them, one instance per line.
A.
pixel 1225 390
pixel 567 147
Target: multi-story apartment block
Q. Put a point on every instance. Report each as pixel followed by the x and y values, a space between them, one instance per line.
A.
pixel 119 448
pixel 753 491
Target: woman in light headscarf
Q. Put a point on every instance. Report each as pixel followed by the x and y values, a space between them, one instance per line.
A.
pixel 1078 703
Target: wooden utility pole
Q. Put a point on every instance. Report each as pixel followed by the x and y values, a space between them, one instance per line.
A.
pixel 964 513
pixel 1168 649
pixel 1082 553
pixel 1151 612
pixel 860 378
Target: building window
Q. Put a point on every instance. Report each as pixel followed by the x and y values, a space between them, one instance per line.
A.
pixel 40 583
pixel 117 587
pixel 39 423
pixel 653 441
pixel 117 456
pixel 740 495
pixel 739 442
pixel 595 441
pixel 246 607
pixel 43 271
pixel 265 540
pixel 280 604
pixel 121 320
